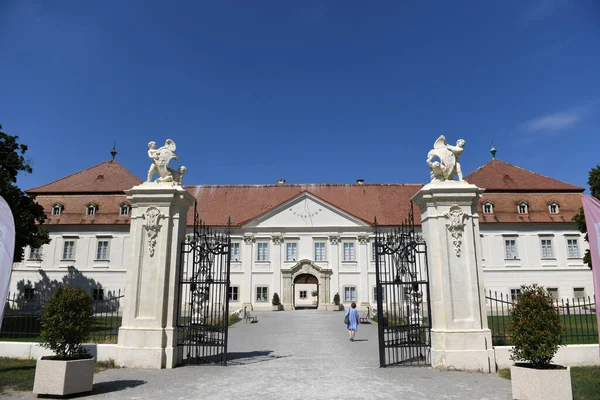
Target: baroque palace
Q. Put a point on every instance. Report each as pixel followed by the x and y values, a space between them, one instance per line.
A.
pixel 527 235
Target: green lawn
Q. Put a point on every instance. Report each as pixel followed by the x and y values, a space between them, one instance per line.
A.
pixel 584 380
pixel 18 375
pixel 580 329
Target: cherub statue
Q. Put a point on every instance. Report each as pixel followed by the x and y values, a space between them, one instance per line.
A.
pixel 160 163
pixel 447 166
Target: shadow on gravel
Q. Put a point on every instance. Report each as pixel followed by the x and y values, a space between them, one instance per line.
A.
pixel 101 388
pixel 251 357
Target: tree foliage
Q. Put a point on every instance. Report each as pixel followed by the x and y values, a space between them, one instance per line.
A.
pixel 579 219
pixel 28 215
pixel 535 327
pixel 275 300
pixel 66 322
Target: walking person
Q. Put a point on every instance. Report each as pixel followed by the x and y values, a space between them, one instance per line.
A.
pixel 352 319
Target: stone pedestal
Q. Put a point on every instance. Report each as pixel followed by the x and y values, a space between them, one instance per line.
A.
pixel 148 335
pixel 460 338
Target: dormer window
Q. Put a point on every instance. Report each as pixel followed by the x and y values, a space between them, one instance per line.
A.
pixel 91 209
pixel 488 207
pixel 523 208
pixel 125 209
pixel 57 209
pixel 553 207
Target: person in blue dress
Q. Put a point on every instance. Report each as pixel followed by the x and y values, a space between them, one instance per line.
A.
pixel 352 321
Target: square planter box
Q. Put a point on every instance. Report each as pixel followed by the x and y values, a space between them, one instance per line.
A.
pixel 275 308
pixel 60 377
pixel 542 384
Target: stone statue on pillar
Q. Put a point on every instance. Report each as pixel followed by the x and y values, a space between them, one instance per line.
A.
pixel 446 166
pixel 160 163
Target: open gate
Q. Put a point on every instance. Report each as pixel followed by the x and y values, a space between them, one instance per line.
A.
pixel 203 316
pixel 403 309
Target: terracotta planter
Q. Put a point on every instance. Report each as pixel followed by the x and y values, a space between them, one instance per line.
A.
pixel 541 384
pixel 59 377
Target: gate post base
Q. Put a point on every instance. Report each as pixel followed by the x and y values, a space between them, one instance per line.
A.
pixel 463 350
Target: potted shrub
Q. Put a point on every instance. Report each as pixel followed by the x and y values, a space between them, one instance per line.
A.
pixel 275 302
pixel 535 333
pixel 336 302
pixel 66 325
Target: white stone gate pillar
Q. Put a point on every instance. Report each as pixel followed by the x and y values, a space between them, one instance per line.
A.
pixel 460 338
pixel 148 336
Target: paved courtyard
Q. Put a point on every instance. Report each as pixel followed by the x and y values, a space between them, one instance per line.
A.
pixel 299 355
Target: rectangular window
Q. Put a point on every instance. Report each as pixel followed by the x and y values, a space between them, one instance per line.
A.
pixel 510 247
pixel 68 250
pixel 29 293
pixel 579 293
pixel 235 251
pixel 303 294
pixel 349 251
pixel 98 294
pixel 547 248
pixel 262 293
pixel 373 251
pixel 102 250
pixel 320 251
pixel 349 293
pixel 553 292
pixel 291 251
pixel 514 294
pixel 573 248
pixel 262 253
pixel 233 293
pixel 375 294
pixel 35 254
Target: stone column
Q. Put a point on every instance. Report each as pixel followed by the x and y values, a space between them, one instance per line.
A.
pixel 286 296
pixel 364 291
pixel 148 335
pixel 460 338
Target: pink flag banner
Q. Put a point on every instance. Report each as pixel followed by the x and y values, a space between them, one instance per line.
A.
pixel 591 208
pixel 7 248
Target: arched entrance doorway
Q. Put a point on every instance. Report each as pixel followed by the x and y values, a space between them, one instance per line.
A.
pixel 322 275
pixel 305 291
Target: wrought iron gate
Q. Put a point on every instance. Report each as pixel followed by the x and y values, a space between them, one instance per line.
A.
pixel 203 316
pixel 403 309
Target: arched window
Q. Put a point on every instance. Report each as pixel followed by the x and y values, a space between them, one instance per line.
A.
pixel 125 209
pixel 57 209
pixel 553 207
pixel 91 209
pixel 523 208
pixel 488 207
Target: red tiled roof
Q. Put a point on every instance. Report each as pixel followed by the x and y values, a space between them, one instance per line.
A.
pixel 390 203
pixel 505 207
pixel 107 177
pixel 499 176
pixel 73 212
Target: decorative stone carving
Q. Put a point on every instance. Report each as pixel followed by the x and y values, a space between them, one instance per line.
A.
pixel 277 239
pixel 248 239
pixel 363 239
pixel 152 215
pixel 334 239
pixel 456 227
pixel 447 165
pixel 160 163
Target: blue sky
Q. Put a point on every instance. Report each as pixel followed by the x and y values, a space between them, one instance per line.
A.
pixel 310 91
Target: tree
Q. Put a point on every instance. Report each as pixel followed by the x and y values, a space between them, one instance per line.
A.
pixel 579 219
pixel 28 215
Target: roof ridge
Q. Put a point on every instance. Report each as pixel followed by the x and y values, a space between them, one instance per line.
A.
pixel 537 173
pixel 302 184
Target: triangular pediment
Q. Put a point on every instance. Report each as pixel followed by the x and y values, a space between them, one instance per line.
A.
pixel 306 211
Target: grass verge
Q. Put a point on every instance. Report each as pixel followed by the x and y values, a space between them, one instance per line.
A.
pixel 584 380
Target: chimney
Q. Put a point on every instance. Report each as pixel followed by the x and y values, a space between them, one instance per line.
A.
pixel 281 181
pixel 360 181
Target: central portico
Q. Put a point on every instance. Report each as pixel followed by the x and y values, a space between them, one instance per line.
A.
pixel 303 267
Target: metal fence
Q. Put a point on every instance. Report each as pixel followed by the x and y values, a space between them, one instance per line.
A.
pixel 578 317
pixel 22 317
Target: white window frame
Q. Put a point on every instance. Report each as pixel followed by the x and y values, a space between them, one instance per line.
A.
pixel 236 256
pixel 262 256
pixel 375 294
pixel 351 256
pixel 575 240
pixel 581 290
pixel 514 255
pixel 57 209
pixel 35 254
pixel 347 289
pixel 64 249
pixel 490 205
pixel 557 207
pixel 91 210
pixel 234 293
pixel 553 291
pixel 303 294
pixel 525 208
pixel 294 255
pixel 543 248
pixel 102 257
pixel 514 294
pixel 126 207
pixel 322 255
pixel 263 297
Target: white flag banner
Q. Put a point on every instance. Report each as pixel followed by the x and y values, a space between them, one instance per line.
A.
pixel 7 249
